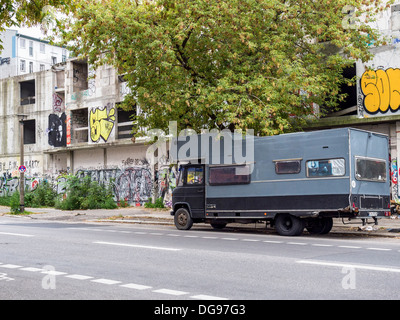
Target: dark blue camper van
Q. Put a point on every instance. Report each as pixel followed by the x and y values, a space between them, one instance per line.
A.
pixel 293 181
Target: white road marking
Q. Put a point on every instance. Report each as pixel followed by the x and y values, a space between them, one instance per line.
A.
pixel 379 249
pixel 171 292
pixel 111 282
pixel 135 286
pixel 230 239
pixel 54 272
pixel 347 265
pixel 207 297
pixel 251 240
pixel 272 241
pixel 17 234
pixel 322 245
pixel 78 277
pixel 136 246
pixel 31 269
pixel 10 266
pixel 298 243
pixel 350 247
pixel 106 281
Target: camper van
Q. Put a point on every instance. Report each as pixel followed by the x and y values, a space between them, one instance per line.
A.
pixel 292 181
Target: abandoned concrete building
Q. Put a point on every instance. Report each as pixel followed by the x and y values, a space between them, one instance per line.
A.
pixel 72 124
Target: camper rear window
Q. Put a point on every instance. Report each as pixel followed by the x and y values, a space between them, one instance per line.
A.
pixel 229 175
pixel 370 169
pixel 325 168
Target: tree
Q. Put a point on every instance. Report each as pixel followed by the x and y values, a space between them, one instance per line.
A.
pixel 29 13
pixel 258 64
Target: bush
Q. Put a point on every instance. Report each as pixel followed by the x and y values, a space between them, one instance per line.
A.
pixel 43 196
pixel 15 203
pixel 86 194
pixel 5 201
pixel 159 203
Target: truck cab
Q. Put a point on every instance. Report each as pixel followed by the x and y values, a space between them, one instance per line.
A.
pixel 188 201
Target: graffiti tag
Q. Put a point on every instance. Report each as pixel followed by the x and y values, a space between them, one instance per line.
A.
pixel 101 123
pixel 381 90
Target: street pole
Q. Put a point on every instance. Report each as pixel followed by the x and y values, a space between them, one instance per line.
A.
pixel 22 173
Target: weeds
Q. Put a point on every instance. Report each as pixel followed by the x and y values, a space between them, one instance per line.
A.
pixel 86 194
pixel 159 203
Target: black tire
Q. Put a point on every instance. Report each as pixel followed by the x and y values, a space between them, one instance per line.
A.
pixel 288 225
pixel 323 226
pixel 218 225
pixel 182 219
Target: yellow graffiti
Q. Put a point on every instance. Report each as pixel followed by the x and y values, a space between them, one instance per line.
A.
pixel 101 123
pixel 381 90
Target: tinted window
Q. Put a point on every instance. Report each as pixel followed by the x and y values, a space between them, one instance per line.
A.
pixel 287 166
pixel 370 169
pixel 229 175
pixel 325 168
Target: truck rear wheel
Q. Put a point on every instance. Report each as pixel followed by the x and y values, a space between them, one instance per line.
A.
pixel 288 225
pixel 322 226
pixel 182 219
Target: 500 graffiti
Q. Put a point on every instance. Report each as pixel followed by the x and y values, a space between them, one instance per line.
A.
pixel 381 90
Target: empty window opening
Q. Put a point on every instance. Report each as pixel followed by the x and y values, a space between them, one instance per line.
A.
pixel 29 132
pixel 125 123
pixel 27 92
pixel 80 76
pixel 79 125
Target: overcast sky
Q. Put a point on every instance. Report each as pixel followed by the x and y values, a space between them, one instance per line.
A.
pixel 32 32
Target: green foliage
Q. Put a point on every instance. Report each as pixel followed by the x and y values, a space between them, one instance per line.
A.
pixel 15 203
pixel 159 203
pixel 86 194
pixel 43 196
pixel 237 64
pixel 5 201
pixel 30 13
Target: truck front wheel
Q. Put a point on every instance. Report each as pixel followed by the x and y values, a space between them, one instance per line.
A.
pixel 288 225
pixel 182 219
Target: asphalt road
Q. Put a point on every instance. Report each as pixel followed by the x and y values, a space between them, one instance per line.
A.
pixel 58 260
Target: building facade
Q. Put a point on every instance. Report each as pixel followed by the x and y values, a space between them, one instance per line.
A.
pixel 72 125
pixel 374 103
pixel 23 54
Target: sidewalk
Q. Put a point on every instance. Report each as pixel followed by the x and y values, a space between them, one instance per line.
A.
pixel 140 215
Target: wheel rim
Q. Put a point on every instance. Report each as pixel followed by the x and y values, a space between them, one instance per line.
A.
pixel 288 223
pixel 182 219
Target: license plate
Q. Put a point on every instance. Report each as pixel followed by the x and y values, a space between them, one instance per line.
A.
pixel 373 214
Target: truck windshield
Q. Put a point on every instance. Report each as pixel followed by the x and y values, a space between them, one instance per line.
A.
pixel 370 169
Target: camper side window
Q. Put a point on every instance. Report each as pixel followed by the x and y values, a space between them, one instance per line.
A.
pixel 325 168
pixel 287 166
pixel 226 175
